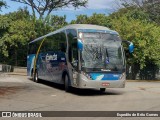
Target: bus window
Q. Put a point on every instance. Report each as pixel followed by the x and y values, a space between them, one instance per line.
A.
pixel 62 42
pixel 73 50
pixel 33 47
pixel 56 42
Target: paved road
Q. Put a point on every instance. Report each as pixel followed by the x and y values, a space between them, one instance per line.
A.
pixel 20 93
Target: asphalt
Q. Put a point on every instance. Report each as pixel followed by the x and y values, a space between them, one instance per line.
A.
pixel 18 93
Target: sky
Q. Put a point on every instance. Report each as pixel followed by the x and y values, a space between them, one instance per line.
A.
pixel 93 6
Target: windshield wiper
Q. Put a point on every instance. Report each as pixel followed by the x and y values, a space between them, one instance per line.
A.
pixel 107 57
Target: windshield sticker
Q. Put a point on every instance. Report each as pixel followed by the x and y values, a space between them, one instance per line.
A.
pixel 107 60
pixel 99 77
pixel 63 59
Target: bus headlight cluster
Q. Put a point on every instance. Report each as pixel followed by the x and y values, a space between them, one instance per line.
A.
pixel 87 75
pixel 122 77
pixel 74 76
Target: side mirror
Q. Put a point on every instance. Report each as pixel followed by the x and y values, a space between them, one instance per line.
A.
pixel 80 45
pixel 131 47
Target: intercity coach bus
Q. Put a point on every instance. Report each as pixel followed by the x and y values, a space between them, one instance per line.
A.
pixel 79 55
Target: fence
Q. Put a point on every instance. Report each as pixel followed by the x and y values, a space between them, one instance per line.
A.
pixel 6 68
pixel 133 72
pixel 20 69
pixel 150 72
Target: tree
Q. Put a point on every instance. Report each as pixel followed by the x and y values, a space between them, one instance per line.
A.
pixel 151 7
pixel 2 4
pixel 134 25
pixel 16 31
pixel 47 6
pixel 56 21
pixel 81 19
pixel 95 19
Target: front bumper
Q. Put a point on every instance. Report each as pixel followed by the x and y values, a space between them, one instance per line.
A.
pixel 84 82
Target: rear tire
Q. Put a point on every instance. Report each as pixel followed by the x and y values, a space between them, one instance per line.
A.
pixel 32 76
pixel 36 79
pixel 66 83
pixel 102 89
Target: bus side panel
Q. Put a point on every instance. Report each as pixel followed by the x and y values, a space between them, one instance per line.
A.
pixel 30 63
pixel 41 66
pixel 50 66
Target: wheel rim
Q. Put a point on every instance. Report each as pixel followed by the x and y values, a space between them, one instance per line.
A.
pixel 36 77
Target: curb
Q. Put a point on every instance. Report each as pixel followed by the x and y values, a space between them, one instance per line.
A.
pixel 143 80
pixel 20 74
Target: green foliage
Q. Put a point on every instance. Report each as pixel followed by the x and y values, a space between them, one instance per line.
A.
pixel 56 21
pixel 81 19
pixel 136 27
pixel 4 24
pixel 150 7
pixel 100 19
pixel 21 14
pixel 41 28
pixel 95 19
pixel 16 31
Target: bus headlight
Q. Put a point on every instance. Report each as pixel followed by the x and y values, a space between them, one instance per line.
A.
pixel 123 76
pixel 74 76
pixel 86 75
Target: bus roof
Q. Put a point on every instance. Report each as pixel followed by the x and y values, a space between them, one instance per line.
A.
pixel 86 26
pixel 78 26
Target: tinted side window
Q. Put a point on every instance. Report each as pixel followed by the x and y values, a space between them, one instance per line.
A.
pixel 56 42
pixel 33 47
pixel 62 43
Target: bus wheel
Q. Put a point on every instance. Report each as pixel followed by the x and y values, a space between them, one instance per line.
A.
pixel 32 76
pixel 102 89
pixel 36 79
pixel 66 83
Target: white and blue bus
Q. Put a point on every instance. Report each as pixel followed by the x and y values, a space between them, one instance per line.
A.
pixel 79 55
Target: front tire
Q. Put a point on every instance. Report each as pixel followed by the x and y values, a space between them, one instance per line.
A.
pixel 36 79
pixel 66 83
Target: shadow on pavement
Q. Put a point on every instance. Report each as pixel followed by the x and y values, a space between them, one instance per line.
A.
pixel 82 92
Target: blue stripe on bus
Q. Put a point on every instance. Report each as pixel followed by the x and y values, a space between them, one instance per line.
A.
pixel 30 63
pixel 104 76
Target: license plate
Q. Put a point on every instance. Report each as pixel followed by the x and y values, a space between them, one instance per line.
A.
pixel 105 84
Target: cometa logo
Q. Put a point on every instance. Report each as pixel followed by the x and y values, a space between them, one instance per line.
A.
pixel 51 57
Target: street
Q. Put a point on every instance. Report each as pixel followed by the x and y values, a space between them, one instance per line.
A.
pixel 18 93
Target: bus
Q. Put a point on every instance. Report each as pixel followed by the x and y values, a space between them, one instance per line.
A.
pixel 80 56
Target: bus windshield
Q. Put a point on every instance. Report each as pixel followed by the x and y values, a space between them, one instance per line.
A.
pixel 102 52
